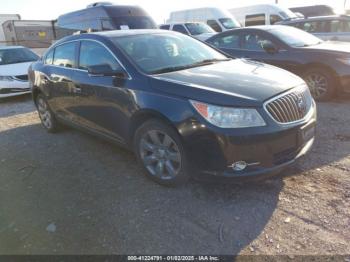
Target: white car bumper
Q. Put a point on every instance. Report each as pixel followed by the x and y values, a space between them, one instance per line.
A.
pixel 13 88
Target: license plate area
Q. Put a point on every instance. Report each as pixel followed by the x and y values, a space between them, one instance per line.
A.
pixel 306 133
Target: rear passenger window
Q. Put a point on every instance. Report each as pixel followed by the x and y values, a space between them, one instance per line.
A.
pixel 92 53
pixel 213 24
pixel 180 29
pixel 228 41
pixel 65 55
pixel 274 19
pixel 336 26
pixel 49 57
pixel 165 27
pixel 258 19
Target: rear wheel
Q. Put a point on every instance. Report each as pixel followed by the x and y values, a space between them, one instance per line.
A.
pixel 160 151
pixel 321 83
pixel 47 118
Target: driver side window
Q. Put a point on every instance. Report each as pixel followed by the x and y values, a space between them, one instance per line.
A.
pixel 93 53
pixel 253 42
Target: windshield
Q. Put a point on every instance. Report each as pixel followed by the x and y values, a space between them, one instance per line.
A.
pixel 16 55
pixel 161 53
pixel 295 37
pixel 198 28
pixel 229 23
pixel 133 22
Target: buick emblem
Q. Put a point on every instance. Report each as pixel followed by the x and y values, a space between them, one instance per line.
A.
pixel 301 104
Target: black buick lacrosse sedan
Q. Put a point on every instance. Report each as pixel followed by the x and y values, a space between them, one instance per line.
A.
pixel 180 105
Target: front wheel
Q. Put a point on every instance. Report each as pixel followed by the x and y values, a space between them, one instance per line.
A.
pixel 159 150
pixel 321 83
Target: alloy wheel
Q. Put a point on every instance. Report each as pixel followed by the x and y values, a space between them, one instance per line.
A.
pixel 160 154
pixel 318 84
pixel 44 113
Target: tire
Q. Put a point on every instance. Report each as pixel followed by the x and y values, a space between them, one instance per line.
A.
pixel 47 118
pixel 321 83
pixel 160 151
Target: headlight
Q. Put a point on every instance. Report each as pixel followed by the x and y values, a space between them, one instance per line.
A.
pixel 344 60
pixel 6 78
pixel 229 117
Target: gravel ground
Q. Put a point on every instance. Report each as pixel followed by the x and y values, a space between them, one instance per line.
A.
pixel 71 193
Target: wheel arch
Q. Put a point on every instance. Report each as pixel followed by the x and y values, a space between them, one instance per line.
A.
pixel 144 115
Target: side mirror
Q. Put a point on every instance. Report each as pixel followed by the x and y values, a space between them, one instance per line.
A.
pixel 105 70
pixel 269 47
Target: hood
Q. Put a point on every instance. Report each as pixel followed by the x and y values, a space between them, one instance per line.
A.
pixel 342 47
pixel 204 36
pixel 235 82
pixel 15 69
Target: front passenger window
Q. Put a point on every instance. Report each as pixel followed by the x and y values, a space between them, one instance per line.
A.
pixel 93 53
pixel 253 42
pixel 65 55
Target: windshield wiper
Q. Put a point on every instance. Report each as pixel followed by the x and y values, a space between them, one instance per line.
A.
pixel 168 69
pixel 178 68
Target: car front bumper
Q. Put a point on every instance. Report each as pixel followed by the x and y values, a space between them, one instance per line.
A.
pixel 265 150
pixel 13 88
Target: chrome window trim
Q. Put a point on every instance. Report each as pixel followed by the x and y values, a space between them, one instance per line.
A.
pixel 83 70
pixel 307 116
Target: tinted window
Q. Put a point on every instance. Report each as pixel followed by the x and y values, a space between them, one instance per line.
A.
pixel 253 42
pixel 198 28
pixel 228 23
pixel 180 28
pixel 258 19
pixel 213 24
pixel 65 55
pixel 346 26
pixel 16 55
pixel 228 41
pixel 311 27
pixel 336 26
pixel 107 25
pixel 165 52
pixel 165 27
pixel 134 22
pixel 49 57
pixel 93 53
pixel 274 19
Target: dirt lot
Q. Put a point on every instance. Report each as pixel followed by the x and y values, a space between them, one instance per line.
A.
pixel 70 193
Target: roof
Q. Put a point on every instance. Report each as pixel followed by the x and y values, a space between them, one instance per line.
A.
pixel 327 17
pixel 119 33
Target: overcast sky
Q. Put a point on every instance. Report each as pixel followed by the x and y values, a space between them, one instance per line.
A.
pixel 158 9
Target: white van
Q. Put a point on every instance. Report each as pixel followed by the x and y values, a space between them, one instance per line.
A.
pixel 218 19
pixel 266 14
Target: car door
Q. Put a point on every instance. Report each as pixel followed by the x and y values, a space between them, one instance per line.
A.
pixel 102 100
pixel 59 79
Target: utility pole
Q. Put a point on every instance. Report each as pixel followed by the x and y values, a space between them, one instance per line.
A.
pixel 277 1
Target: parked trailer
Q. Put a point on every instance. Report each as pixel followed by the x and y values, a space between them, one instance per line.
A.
pixel 4 18
pixel 29 33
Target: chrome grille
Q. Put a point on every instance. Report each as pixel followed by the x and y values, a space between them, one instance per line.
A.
pixel 290 107
pixel 21 77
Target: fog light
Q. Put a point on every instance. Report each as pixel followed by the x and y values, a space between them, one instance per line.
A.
pixel 239 166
